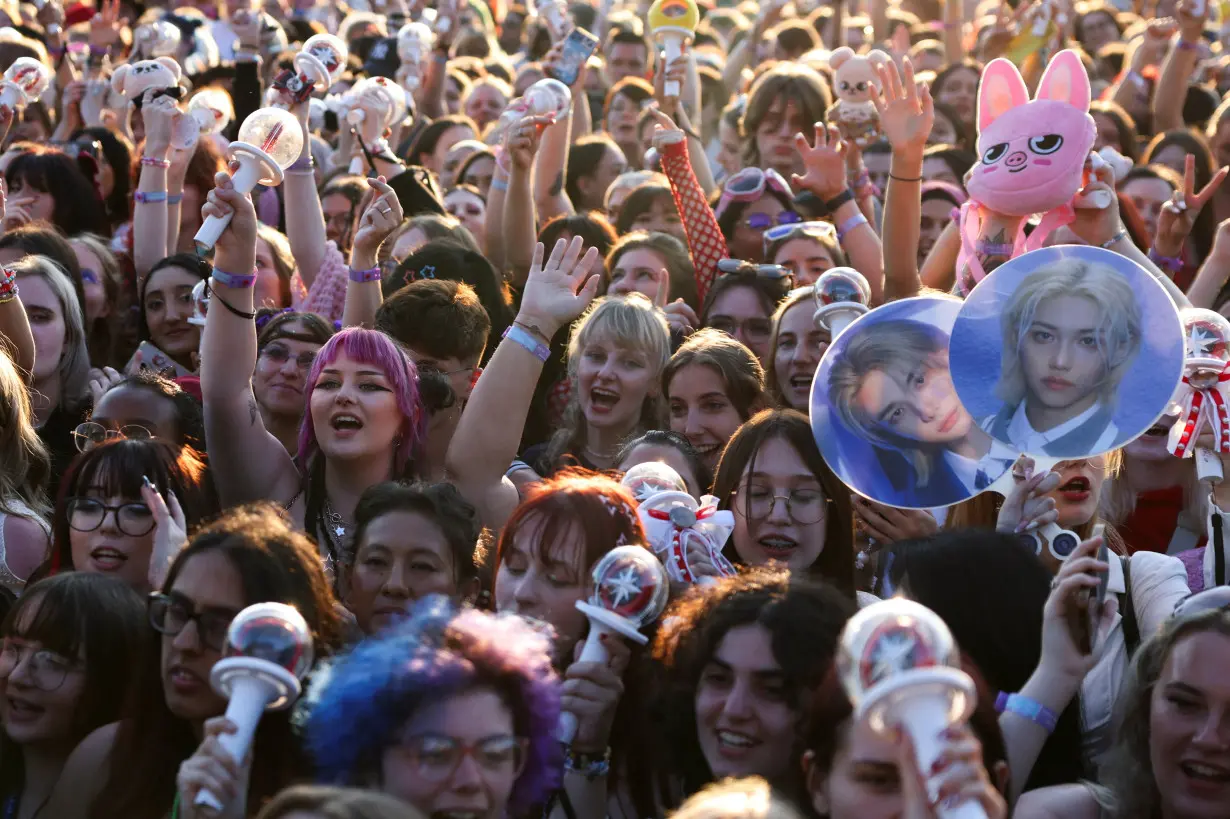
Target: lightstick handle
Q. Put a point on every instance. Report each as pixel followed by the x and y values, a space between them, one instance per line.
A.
pixel 925 719
pixel 244 181
pixel 250 696
pixel 11 96
pixel 592 652
pixel 672 42
pixel 356 164
pixel 840 322
pixel 1208 466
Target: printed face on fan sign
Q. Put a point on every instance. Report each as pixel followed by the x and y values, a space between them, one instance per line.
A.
pixel 1067 351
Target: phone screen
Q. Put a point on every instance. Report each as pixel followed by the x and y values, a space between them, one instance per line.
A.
pixel 578 47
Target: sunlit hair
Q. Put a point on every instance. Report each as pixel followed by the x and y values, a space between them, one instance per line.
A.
pixel 1118 330
pixel 785 81
pixel 1128 788
pixel 678 263
pixel 747 798
pixel 375 348
pixel 737 366
pixel 74 368
pixel 631 323
pixel 899 349
pixel 806 297
pixel 436 653
pixel 336 803
pixel 25 465
pixel 283 259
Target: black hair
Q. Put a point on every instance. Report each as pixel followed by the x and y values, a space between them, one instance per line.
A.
pixel 78 206
pixel 591 225
pixel 583 159
pixel 188 410
pixel 194 264
pixel 42 239
pixel 669 438
pixel 116 152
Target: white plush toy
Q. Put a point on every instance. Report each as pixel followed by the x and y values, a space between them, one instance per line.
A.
pixel 133 80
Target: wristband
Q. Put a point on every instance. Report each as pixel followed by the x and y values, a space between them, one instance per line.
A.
pixel 361 276
pixel 849 225
pixel 840 199
pixel 533 330
pixel 892 175
pixel 155 162
pixel 499 184
pixel 99 51
pixel 518 336
pixel 1027 708
pixel 995 248
pixel 232 280
pixel 1122 234
pixel 590 766
pixel 303 164
pixel 174 198
pixel 1184 45
pixel 150 198
pixel 1171 264
pixel 8 295
pixel 8 285
pixel 213 296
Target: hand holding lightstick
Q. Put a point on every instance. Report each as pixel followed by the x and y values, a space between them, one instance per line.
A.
pixel 1025 502
pixel 24 82
pixel 270 140
pixel 375 105
pixel 630 592
pixel 319 65
pixel 413 41
pixel 679 529
pixel 268 652
pixel 841 295
pixel 673 23
pixel 899 666
pixel 1201 399
pixel 209 112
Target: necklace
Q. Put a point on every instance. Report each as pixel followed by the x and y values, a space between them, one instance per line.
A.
pixel 336 523
pixel 595 457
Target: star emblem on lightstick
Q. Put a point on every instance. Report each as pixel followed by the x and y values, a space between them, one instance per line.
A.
pixel 624 586
pixel 1200 340
pixel 892 654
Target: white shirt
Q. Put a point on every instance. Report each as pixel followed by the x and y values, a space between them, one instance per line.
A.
pixel 996 462
pixel 1022 434
pixel 1158 583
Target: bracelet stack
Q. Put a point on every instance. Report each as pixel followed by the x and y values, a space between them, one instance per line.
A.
pixel 1171 264
pixel 8 285
pixel 155 162
pixel 849 225
pixel 522 338
pixel 1113 240
pixel 590 766
pixel 233 280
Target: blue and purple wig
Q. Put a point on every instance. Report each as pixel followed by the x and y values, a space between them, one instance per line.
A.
pixel 375 348
pixel 436 653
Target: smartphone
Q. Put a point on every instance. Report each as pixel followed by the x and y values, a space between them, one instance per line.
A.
pixel 149 357
pixel 578 47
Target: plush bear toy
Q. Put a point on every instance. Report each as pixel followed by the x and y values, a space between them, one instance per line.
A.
pixel 133 80
pixel 854 113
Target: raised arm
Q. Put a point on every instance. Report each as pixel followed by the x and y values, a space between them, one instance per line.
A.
pixel 1177 70
pixel 552 163
pixel 248 463
pixel 520 223
pixel 305 219
pixel 15 334
pixel 489 432
pixel 1213 274
pixel 149 225
pixel 906 115
pixel 363 293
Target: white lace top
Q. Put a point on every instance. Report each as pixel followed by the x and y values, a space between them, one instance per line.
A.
pixel 7 579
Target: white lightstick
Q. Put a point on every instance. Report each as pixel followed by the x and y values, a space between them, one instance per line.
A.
pixel 322 60
pixel 841 295
pixel 413 41
pixel 268 653
pixel 899 666
pixel 375 104
pixel 24 81
pixel 160 38
pixel 673 23
pixel 545 97
pixel 630 592
pixel 270 140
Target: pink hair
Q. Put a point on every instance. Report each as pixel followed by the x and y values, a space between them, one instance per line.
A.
pixel 370 347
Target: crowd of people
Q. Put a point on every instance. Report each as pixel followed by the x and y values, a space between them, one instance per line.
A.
pixel 400 390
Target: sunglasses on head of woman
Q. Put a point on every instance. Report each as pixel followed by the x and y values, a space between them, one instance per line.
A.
pixel 773 272
pixel 794 229
pixel 748 185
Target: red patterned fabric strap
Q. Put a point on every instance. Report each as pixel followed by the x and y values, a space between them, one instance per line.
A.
pixel 706 243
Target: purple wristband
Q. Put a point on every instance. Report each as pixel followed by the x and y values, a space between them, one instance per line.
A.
pixel 232 280
pixel 361 276
pixel 1027 708
pixel 520 337
pixel 1171 264
pixel 849 225
pixel 149 198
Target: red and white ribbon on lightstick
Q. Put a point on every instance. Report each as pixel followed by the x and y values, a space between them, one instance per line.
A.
pixel 1198 408
pixel 1201 396
pixel 690 525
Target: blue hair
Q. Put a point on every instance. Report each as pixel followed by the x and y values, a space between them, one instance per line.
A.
pixel 438 651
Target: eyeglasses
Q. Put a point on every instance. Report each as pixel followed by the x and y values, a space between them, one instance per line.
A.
pixel 1213 599
pixel 279 354
pixel 784 232
pixel 436 757
pixel 761 221
pixel 87 514
pixel 169 614
pixel 755 329
pixel 748 185
pixel 91 434
pixel 45 669
pixel 804 506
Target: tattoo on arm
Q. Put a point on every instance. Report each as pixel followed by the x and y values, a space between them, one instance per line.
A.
pixel 253 411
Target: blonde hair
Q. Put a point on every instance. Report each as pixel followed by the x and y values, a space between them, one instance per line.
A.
pixel 1119 323
pixel 890 347
pixel 74 367
pixel 632 322
pixel 749 798
pixel 25 465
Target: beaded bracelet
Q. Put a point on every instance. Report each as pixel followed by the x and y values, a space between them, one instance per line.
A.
pixel 361 276
pixel 849 225
pixel 590 766
pixel 155 162
pixel 233 280
pixel 1027 708
pixel 8 285
pixel 1122 234
pixel 150 197
pixel 520 337
pixel 1171 264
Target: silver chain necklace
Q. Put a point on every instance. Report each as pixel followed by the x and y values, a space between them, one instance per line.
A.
pixel 335 520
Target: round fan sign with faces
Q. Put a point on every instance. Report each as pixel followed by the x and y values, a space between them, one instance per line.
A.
pixel 1067 352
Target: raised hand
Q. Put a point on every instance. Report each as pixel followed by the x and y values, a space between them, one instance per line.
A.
pixel 94 102
pixel 1026 507
pixel 1098 226
pixel 1068 609
pixel 105 24
pixel 170 531
pixel 159 115
pixel 236 247
pixel 958 775
pixel 381 217
pixel 824 163
pixel 559 289
pixel 906 110
pixel 886 524
pixel 523 138
pixel 591 692
pixel 103 380
pixel 1179 215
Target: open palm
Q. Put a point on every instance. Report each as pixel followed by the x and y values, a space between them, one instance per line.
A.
pixel 906 113
pixel 559 289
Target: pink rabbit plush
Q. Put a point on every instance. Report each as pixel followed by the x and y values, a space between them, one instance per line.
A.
pixel 1031 153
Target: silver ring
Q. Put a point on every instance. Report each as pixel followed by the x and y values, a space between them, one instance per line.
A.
pixel 386 211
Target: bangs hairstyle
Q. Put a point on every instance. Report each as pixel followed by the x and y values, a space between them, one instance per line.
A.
pixel 78 207
pixel 737 366
pixel 377 349
pixel 630 321
pixel 806 297
pixel 74 368
pixel 836 561
pixel 640 201
pixel 1118 329
pixel 575 501
pixel 273 325
pixel 436 653
pixel 785 82
pixel 678 263
pixel 115 469
pixel 897 349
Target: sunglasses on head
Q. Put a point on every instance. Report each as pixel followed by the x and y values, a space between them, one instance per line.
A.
pixel 738 267
pixel 785 231
pixel 748 185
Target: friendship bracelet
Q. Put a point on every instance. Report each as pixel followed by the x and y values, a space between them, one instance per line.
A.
pixel 362 276
pixel 849 225
pixel 8 294
pixel 1027 708
pixel 233 280
pixel 99 51
pixel 155 162
pixel 499 184
pixel 1122 234
pixel 520 337
pixel 151 197
pixel 1171 264
pixel 532 330
pixel 213 294
pixel 303 164
pixel 892 175
pixel 590 766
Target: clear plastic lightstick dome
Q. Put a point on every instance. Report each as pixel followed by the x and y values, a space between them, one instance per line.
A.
pixel 841 284
pixel 652 477
pixel 631 582
pixel 331 51
pixel 212 108
pixel 548 96
pixel 1206 333
pixel 276 132
pixel 30 75
pixel 889 638
pixel 273 632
